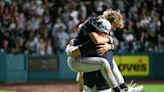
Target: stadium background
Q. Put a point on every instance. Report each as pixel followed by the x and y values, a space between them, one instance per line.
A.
pixel 34 33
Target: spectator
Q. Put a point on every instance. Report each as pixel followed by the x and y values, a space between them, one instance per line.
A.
pixel 61 38
pixel 58 23
pixel 161 36
pixel 29 23
pixel 71 24
pixel 49 49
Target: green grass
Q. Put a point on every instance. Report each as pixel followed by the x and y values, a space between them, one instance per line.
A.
pixel 6 91
pixel 153 87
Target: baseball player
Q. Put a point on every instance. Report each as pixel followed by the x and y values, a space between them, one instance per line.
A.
pixel 95 31
pixel 90 62
pixel 120 78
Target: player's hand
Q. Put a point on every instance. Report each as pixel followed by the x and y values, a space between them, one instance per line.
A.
pixel 72 50
pixel 110 39
pixel 103 48
pixel 71 42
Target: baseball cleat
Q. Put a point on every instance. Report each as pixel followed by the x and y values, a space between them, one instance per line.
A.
pixel 134 88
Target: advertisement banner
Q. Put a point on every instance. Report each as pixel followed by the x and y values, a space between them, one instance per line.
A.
pixel 43 63
pixel 133 65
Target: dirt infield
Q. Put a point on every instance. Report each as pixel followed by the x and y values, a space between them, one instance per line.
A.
pixel 44 86
pixel 54 86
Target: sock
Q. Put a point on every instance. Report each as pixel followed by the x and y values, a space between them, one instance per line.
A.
pixel 123 86
pixel 117 89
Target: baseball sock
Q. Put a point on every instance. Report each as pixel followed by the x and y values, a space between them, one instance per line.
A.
pixel 116 89
pixel 123 86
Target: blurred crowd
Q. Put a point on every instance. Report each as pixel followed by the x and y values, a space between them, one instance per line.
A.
pixel 40 27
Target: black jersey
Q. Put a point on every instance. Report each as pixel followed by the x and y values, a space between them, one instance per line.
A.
pixel 84 30
pixel 84 38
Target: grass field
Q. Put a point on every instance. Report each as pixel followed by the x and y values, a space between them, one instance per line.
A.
pixel 154 88
pixel 6 91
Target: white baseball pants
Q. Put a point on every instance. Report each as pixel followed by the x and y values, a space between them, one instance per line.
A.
pixel 89 64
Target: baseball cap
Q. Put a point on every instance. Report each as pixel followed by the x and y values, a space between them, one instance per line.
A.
pixel 103 25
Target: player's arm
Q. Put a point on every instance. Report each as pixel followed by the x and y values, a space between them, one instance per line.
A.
pixel 72 50
pixel 98 39
pixel 81 50
pixel 102 48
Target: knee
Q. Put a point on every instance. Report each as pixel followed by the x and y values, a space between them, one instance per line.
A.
pixel 71 64
pixel 105 62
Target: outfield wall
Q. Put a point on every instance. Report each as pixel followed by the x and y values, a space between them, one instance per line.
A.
pixel 54 67
pixel 13 67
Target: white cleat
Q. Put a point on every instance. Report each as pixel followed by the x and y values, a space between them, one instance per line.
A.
pixel 134 88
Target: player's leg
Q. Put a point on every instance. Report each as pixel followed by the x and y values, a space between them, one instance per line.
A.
pixel 79 79
pixel 89 64
pixel 115 70
pixel 121 81
pixel 117 73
